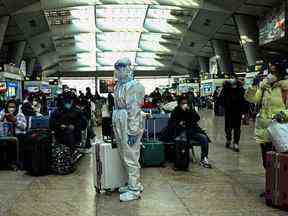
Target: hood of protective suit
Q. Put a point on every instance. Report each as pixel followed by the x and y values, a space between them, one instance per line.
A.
pixel 123 71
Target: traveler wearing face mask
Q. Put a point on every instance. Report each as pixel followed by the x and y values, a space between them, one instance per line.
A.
pixel 67 122
pixel 13 115
pixel 271 94
pixel 185 119
pixel 233 97
pixel 36 105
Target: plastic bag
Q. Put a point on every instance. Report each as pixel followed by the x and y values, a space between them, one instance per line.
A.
pixel 278 133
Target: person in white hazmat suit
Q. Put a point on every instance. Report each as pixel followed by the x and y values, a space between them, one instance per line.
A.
pixel 128 126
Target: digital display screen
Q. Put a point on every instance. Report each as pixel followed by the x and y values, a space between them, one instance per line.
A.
pixel 207 88
pixel 272 26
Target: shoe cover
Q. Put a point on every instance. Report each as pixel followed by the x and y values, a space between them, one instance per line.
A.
pixel 125 189
pixel 129 196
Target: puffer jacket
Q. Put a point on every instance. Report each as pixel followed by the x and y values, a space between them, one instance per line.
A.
pixel 272 103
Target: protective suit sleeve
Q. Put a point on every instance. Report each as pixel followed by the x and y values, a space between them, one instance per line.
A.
pixel 134 97
pixel 253 94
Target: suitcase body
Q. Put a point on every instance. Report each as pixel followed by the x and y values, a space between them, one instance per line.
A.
pixel 276 180
pixel 37 153
pixel 108 170
pixel 153 153
pixel 182 158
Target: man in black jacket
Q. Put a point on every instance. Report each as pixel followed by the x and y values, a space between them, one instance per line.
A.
pixel 67 122
pixel 233 95
pixel 184 119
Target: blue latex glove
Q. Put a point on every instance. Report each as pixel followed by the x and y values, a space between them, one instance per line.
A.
pixel 132 140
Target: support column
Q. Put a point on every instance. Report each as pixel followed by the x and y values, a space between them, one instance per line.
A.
pixel 96 84
pixel 204 64
pixel 4 21
pixel 16 52
pixel 248 30
pixel 30 66
pixel 222 52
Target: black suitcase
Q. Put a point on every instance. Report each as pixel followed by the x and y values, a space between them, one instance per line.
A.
pixel 37 153
pixel 182 159
pixel 107 128
pixel 170 152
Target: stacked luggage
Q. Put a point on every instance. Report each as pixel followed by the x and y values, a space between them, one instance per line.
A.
pixel 42 155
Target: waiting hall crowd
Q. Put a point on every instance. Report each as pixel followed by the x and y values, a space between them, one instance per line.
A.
pixel 68 124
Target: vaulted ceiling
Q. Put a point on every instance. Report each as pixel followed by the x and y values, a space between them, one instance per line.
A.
pixel 161 37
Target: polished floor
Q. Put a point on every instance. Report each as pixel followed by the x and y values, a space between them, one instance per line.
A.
pixel 230 189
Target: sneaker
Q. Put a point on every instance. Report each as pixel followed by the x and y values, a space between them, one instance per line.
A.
pixel 236 147
pixel 129 196
pixel 228 143
pixel 205 163
pixel 126 188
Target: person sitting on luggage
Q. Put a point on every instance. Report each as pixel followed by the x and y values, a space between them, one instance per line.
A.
pixel 12 114
pixel 67 122
pixel 185 120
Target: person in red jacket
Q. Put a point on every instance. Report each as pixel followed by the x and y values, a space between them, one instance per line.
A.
pixel 148 104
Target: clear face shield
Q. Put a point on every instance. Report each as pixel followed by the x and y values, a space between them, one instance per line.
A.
pixel 123 71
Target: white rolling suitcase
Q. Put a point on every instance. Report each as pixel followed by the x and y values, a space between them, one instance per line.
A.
pixel 108 171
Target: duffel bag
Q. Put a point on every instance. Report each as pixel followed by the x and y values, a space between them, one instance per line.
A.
pixel 61 160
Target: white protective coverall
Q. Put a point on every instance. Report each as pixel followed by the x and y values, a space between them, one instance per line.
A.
pixel 128 123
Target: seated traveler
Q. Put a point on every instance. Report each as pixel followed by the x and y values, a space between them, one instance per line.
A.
pixel 13 115
pixel 67 122
pixel 185 120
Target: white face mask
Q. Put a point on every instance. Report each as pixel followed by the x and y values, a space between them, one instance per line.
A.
pixel 37 109
pixel 271 78
pixel 184 106
pixel 11 110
